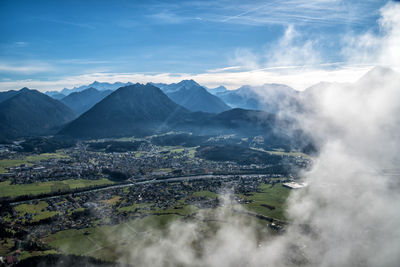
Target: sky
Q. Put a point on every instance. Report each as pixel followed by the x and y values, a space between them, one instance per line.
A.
pixel 49 45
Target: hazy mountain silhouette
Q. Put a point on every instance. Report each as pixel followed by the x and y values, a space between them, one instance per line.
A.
pixel 193 96
pixel 268 97
pixel 101 86
pixel 55 94
pixel 81 102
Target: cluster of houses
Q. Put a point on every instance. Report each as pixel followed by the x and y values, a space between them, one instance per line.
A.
pixel 53 169
pixel 151 162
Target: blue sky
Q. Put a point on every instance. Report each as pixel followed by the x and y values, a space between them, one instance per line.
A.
pixel 56 44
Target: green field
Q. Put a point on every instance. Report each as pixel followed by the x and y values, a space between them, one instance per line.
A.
pixel 46 156
pixel 6 163
pixel 272 196
pixel 12 190
pixel 208 194
pixel 107 242
pixel 38 211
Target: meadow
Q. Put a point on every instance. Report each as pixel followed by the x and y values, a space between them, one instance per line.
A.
pixel 14 190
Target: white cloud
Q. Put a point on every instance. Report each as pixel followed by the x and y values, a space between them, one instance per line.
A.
pixel 27 68
pixel 382 48
pixel 291 50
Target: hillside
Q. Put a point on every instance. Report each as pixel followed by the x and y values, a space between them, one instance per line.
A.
pixel 31 113
pixel 132 110
pixel 7 94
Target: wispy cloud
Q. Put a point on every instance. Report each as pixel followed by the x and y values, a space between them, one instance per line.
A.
pixel 167 17
pixel 325 12
pixel 26 68
pixel 299 12
pixel 382 48
pixel 69 23
pixel 232 68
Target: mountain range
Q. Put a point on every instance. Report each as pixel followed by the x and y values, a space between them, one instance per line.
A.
pixel 139 109
pixel 216 90
pixel 101 86
pixel 193 96
pixel 268 97
pixel 131 110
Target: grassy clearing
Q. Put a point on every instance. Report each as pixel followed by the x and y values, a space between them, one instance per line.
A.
pixel 207 193
pixel 271 201
pixel 177 150
pixel 12 190
pixel 31 208
pixel 134 206
pixel 46 156
pixel 181 210
pixel 139 154
pixel 106 242
pixel 192 152
pixel 7 163
pixel 281 152
pixel 38 211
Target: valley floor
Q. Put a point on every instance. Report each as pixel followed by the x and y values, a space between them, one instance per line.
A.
pixel 65 203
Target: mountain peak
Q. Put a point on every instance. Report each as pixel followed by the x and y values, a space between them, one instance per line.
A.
pixel 130 110
pixel 216 90
pixel 188 83
pixel 25 89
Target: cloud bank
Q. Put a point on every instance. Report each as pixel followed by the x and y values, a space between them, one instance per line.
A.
pixel 347 216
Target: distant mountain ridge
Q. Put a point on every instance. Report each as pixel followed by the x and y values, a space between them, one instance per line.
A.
pixel 268 97
pixel 193 96
pixel 216 90
pixel 55 94
pixel 101 86
pixel 82 101
pixel 174 87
